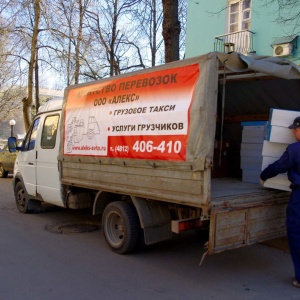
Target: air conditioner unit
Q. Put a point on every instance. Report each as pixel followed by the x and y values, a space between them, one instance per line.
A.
pixel 283 49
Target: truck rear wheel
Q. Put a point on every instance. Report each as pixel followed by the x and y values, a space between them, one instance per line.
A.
pixel 21 198
pixel 121 227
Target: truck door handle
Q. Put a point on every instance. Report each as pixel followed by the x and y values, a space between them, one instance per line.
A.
pixel 30 164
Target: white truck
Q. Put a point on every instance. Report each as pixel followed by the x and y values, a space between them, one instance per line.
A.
pixel 157 151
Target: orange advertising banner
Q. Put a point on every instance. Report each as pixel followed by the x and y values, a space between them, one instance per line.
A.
pixel 143 116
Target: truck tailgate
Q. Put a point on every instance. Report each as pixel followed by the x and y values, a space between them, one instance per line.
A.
pixel 244 213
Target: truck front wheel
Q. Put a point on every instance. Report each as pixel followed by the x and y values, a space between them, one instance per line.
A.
pixel 121 227
pixel 21 198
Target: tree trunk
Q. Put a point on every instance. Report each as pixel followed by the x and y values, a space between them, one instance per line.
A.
pixel 27 102
pixel 171 30
pixel 78 45
pixel 113 63
pixel 153 35
pixel 37 83
pixel 26 113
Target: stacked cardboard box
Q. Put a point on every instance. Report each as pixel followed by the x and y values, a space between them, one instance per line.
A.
pixel 251 149
pixel 278 137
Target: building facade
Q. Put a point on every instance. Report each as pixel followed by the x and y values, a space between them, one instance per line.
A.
pixel 245 26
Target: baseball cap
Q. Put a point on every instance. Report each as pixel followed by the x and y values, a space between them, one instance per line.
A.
pixel 295 124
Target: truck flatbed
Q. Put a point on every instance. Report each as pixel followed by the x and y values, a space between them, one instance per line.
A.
pixel 227 192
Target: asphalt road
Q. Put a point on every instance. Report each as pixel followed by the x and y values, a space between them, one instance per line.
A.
pixel 36 262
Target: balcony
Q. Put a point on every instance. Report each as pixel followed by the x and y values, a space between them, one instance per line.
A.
pixel 240 41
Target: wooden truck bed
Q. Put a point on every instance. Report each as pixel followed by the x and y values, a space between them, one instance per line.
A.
pixel 233 192
pixel 232 186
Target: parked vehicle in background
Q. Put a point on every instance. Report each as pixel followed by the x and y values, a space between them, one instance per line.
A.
pixel 7 159
pixel 2 143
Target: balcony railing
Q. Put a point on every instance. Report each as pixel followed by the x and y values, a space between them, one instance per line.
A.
pixel 241 41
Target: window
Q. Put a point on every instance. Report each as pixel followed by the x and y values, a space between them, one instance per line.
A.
pixel 49 132
pixel 239 15
pixel 234 17
pixel 31 136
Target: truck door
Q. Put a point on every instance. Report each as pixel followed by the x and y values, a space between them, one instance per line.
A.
pixel 27 159
pixel 48 183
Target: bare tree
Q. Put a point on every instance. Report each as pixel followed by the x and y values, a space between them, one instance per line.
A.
pixel 22 24
pixel 287 12
pixel 66 22
pixel 79 40
pixel 148 18
pixel 112 30
pixel 182 14
pixel 10 79
pixel 108 33
pixel 27 102
pixel 76 40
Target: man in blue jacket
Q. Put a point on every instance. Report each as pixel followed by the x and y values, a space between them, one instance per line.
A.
pixel 290 162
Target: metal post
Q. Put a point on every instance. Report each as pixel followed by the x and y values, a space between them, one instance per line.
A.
pixel 12 123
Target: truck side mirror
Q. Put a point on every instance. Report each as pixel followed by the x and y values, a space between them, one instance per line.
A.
pixel 12 144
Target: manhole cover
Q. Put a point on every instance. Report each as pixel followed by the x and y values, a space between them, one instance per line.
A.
pixel 71 227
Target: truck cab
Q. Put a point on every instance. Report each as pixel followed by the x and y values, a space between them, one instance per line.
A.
pixel 36 173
